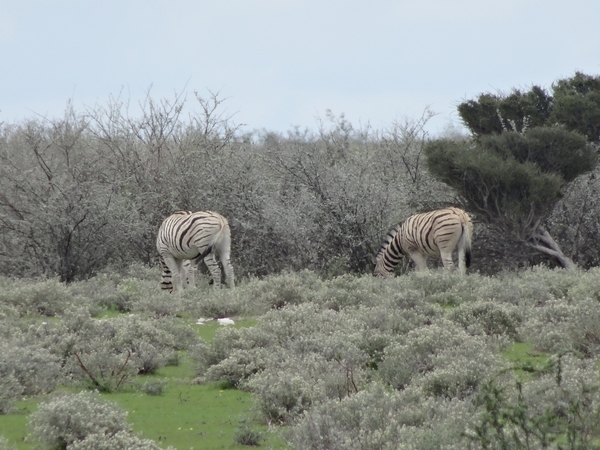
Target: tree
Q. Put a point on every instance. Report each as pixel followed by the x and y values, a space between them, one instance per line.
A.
pixel 525 149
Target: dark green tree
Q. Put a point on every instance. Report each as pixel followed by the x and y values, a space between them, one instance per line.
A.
pixel 577 105
pixel 525 148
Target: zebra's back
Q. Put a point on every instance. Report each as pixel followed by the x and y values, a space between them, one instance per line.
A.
pixel 188 235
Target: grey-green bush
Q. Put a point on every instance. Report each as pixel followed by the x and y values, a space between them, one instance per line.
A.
pixel 121 440
pixel 64 419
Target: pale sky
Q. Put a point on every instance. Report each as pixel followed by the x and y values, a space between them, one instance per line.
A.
pixel 284 63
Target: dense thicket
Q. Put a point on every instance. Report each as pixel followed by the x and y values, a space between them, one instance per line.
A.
pixel 89 190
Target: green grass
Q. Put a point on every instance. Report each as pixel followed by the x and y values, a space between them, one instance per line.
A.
pixel 523 354
pixel 190 416
pixel 14 426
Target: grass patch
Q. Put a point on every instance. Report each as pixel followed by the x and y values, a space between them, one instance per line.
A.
pixel 186 416
pixel 14 426
pixel 523 354
pixel 190 416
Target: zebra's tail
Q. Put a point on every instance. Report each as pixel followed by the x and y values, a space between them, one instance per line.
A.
pixel 222 246
pixel 464 243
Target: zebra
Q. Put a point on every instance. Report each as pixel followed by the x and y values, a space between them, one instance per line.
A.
pixel 429 234
pixel 187 235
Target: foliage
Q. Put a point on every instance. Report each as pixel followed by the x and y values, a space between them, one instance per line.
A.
pixel 517 111
pixel 318 200
pixel 513 178
pixel 107 353
pixel 573 102
pixel 577 104
pixel 154 387
pixel 35 369
pixel 10 391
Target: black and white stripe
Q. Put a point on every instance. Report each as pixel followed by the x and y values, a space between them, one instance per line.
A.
pixel 187 235
pixel 436 233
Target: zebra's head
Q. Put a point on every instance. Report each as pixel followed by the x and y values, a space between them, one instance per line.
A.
pixel 380 268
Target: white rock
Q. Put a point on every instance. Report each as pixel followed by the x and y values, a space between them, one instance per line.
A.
pixel 225 321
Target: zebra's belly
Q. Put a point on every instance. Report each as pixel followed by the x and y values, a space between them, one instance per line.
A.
pixel 425 251
pixel 190 254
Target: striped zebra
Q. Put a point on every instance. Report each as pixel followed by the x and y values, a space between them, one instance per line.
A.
pixel 429 234
pixel 187 235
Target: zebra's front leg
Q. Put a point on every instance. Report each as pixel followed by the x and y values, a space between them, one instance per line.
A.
pixel 420 261
pixel 214 268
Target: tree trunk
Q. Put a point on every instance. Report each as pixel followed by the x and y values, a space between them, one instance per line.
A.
pixel 543 242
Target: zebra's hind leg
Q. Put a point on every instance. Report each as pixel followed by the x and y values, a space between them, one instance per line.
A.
pixel 447 261
pixel 190 269
pixel 214 268
pixel 174 266
pixel 228 269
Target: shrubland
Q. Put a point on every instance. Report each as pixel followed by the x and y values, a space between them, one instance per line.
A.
pixel 422 360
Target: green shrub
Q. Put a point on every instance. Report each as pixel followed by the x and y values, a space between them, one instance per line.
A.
pixel 287 288
pixel 442 358
pixel 559 408
pixel 488 318
pixel 379 419
pixel 5 445
pixel 121 440
pixel 562 326
pixel 65 418
pixel 108 352
pixel 36 369
pixel 10 392
pixel 154 387
pixel 46 298
pixel 244 434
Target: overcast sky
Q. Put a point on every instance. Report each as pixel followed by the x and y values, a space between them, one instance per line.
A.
pixel 283 63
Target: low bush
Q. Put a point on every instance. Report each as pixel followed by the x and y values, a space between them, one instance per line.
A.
pixel 246 435
pixel 5 445
pixel 121 440
pixel 35 369
pixel 488 319
pixel 65 418
pixel 10 392
pixel 442 358
pixel 46 298
pixel 154 387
